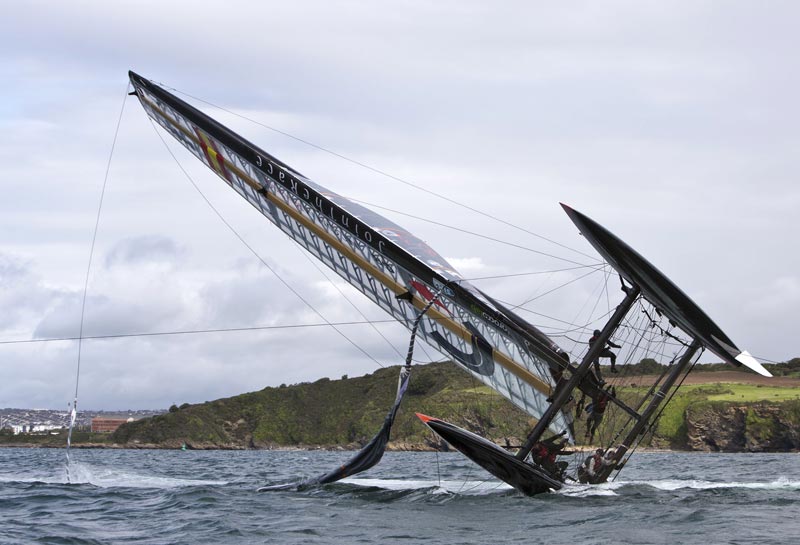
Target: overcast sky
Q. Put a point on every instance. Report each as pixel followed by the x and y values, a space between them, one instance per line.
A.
pixel 675 124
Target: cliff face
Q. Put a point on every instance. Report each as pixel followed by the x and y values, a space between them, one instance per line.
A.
pixel 752 427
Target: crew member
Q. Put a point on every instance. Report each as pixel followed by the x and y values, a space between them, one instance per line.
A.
pixel 591 467
pixel 597 409
pixel 544 453
pixel 604 353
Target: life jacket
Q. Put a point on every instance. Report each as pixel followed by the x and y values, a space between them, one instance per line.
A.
pixel 542 452
pixel 597 463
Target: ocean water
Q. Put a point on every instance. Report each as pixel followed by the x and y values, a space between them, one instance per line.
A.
pixel 196 497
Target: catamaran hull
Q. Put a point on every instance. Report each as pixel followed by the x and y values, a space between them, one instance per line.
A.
pixel 523 476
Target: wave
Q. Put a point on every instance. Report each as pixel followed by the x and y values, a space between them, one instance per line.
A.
pixel 467 488
pixel 587 490
pixel 104 477
pixel 609 489
pixel 575 490
pixel 782 483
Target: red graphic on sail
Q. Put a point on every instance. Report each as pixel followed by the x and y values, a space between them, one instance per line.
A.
pixel 423 290
pixel 213 157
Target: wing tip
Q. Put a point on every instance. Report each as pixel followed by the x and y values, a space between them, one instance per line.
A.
pixel 746 359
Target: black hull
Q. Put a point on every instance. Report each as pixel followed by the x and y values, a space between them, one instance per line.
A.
pixel 523 476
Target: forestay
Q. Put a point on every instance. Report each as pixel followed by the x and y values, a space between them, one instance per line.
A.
pixel 392 267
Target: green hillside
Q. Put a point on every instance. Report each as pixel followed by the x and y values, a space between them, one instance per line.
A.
pixel 705 415
pixel 346 413
pixel 332 413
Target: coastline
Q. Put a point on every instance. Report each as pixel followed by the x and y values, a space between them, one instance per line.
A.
pixel 349 448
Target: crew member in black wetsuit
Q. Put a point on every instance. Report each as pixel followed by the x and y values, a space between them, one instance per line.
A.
pixel 604 353
pixel 598 409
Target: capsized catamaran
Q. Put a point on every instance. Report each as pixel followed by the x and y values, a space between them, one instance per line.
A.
pixel 417 286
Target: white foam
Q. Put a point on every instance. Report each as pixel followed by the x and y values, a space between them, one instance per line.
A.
pixel 105 477
pixel 588 490
pixel 696 484
pixel 438 487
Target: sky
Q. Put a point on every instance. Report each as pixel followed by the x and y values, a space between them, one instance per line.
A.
pixel 673 124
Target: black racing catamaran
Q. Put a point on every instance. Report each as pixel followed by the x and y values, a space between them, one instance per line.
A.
pixel 420 289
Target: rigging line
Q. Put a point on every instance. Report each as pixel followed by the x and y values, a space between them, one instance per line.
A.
pixel 651 429
pixel 633 348
pixel 767 360
pixel 580 342
pixel 640 336
pixel 438 469
pixel 352 304
pixel 603 288
pixel 381 172
pixel 74 411
pixel 192 332
pixel 252 250
pixel 523 309
pixel 555 289
pixel 587 327
pixel 599 286
pixel 532 273
pixel 371 322
pixel 473 233
pixel 540 285
pixel 665 332
pixel 678 341
pixel 603 291
pixel 654 335
pixel 658 351
pixel 672 344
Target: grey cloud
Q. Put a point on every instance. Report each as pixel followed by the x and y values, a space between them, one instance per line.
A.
pixel 142 249
pixel 23 295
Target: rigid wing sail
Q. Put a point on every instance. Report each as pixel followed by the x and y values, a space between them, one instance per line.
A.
pixel 393 268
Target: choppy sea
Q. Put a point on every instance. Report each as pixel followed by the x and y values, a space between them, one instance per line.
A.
pixel 199 497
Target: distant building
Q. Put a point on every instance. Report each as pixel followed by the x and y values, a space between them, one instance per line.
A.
pixel 105 424
pixel 35 428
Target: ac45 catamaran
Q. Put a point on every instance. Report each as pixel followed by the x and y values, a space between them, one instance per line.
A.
pixel 419 288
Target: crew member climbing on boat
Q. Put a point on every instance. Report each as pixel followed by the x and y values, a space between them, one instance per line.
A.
pixel 597 409
pixel 604 353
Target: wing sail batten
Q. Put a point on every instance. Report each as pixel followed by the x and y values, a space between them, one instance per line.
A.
pixel 378 257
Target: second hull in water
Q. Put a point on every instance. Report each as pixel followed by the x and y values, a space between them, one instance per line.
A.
pixel 523 476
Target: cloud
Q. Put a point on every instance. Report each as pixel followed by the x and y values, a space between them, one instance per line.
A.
pixel 142 249
pixel 674 126
pixel 23 294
